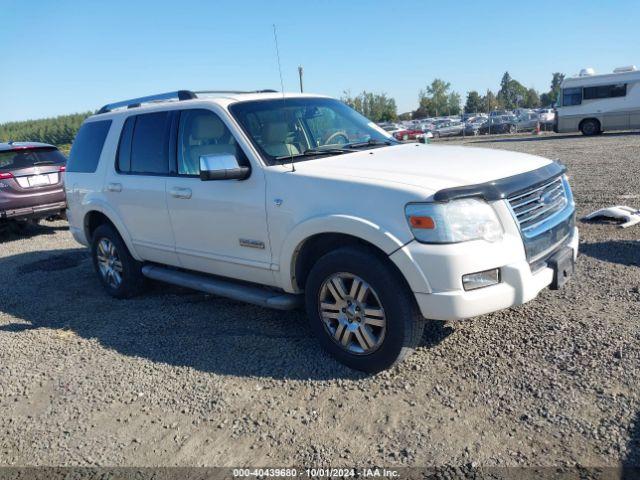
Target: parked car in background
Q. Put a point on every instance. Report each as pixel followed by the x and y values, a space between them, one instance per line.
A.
pixel 547 117
pixel 448 129
pixel 526 122
pixel 499 113
pixel 409 133
pixel 392 128
pixel 472 127
pixel 201 192
pixel 498 124
pixel 31 182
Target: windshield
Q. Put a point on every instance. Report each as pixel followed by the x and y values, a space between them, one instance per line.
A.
pixel 290 129
pixel 26 158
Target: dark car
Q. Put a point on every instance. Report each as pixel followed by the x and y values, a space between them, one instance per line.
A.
pixel 31 182
pixel 473 125
pixel 499 124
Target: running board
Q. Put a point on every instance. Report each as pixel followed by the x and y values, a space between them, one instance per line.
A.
pixel 224 288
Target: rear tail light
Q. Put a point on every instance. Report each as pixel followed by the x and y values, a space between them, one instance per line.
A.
pixel 63 168
pixel 5 175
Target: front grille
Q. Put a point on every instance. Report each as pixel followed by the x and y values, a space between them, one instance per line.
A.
pixel 533 207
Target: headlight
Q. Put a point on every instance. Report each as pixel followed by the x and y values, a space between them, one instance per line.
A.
pixel 455 221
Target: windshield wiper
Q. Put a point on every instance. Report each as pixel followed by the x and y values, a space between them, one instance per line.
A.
pixel 315 151
pixel 44 162
pixel 372 142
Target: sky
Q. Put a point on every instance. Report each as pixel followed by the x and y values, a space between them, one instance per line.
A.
pixel 67 56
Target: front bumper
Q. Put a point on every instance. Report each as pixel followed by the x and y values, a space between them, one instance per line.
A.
pixel 36 211
pixel 449 301
pixel 518 286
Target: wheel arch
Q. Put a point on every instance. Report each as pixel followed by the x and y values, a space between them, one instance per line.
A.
pixel 595 119
pixel 317 236
pixel 97 215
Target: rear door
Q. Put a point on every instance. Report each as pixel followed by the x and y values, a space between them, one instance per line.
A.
pixel 136 185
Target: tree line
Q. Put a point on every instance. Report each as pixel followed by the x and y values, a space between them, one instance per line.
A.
pixel 437 99
pixel 58 130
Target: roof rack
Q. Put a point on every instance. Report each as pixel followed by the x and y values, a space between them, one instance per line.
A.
pixel 178 95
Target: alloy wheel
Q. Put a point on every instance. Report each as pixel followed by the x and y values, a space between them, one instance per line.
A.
pixel 109 263
pixel 352 314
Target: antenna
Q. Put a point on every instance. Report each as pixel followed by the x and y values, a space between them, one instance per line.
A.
pixel 300 72
pixel 275 38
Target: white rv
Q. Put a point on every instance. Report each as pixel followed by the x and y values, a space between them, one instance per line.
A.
pixel 594 103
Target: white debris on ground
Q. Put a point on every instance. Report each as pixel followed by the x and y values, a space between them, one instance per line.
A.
pixel 631 216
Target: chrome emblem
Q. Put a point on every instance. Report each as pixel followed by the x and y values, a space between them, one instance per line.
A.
pixel 546 198
pixel 247 242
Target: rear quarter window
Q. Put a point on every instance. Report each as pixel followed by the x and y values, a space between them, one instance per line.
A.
pixel 87 147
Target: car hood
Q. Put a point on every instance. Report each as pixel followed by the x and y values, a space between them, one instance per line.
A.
pixel 428 167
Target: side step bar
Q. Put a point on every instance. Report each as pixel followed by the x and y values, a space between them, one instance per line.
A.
pixel 224 288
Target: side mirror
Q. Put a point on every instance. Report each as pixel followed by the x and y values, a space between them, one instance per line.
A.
pixel 222 166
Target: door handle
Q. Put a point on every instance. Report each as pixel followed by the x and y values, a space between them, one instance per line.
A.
pixel 114 187
pixel 178 192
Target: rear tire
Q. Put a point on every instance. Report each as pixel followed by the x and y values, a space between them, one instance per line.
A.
pixel 119 273
pixel 370 321
pixel 590 127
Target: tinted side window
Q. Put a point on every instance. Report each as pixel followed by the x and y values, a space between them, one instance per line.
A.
pixel 605 91
pixel 150 143
pixel 123 162
pixel 87 147
pixel 571 96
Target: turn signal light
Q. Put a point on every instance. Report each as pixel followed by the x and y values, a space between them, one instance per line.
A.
pixel 425 223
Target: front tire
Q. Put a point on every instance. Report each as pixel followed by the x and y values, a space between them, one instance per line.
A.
pixel 119 273
pixel 361 310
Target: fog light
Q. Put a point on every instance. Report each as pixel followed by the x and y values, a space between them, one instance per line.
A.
pixel 487 278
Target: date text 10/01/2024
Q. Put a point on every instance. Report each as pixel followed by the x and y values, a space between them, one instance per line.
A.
pixel 315 472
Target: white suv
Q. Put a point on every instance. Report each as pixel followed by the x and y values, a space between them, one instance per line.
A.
pixel 280 200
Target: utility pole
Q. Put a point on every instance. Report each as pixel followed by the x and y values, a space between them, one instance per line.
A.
pixel 300 72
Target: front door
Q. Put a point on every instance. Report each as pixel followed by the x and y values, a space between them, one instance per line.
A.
pixel 220 226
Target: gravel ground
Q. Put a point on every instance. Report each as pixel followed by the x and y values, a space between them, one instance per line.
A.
pixel 180 378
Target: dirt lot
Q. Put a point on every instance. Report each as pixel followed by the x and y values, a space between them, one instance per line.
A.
pixel 179 378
